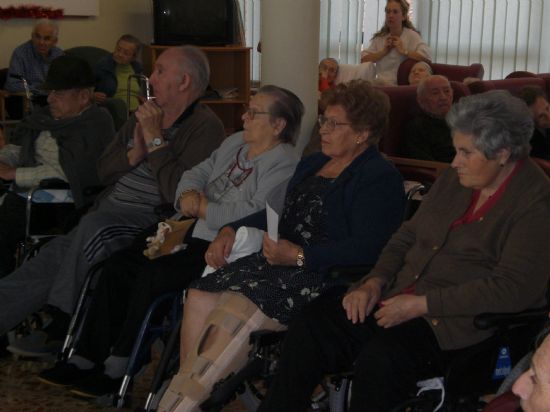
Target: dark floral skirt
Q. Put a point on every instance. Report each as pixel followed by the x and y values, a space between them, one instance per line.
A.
pixel 278 291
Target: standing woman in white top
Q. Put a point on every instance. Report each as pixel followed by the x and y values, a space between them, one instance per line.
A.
pixel 396 41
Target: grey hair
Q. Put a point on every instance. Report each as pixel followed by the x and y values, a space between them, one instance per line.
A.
pixel 47 22
pixel 496 120
pixel 286 106
pixel 132 40
pixel 194 62
pixel 421 88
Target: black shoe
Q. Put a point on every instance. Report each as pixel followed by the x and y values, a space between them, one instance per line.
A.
pixel 97 385
pixel 65 374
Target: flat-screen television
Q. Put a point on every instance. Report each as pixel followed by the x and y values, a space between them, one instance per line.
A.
pixel 198 22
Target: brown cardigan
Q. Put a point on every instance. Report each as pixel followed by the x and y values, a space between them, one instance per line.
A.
pixel 198 135
pixel 500 263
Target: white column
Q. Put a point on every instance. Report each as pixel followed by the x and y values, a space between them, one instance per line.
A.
pixel 290 53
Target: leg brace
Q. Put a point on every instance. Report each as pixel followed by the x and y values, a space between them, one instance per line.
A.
pixel 227 328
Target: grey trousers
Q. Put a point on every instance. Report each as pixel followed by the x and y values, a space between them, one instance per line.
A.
pixel 56 274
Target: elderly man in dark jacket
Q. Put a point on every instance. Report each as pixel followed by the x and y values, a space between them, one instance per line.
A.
pixel 62 140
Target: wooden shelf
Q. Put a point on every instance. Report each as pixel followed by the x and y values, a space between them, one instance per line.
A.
pixel 229 68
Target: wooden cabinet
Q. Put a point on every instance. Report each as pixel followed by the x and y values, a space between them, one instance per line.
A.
pixel 229 68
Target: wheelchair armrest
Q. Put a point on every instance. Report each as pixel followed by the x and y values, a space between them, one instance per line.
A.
pixel 165 210
pixel 485 321
pixel 53 183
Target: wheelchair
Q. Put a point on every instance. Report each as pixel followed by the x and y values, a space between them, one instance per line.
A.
pixel 475 372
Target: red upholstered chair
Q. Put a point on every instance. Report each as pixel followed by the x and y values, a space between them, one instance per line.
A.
pixel 520 74
pixel 513 85
pixel 450 71
pixel 403 108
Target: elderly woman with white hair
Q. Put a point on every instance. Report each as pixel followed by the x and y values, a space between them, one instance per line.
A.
pixel 478 243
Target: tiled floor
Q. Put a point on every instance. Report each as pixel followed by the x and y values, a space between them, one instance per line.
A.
pixel 20 391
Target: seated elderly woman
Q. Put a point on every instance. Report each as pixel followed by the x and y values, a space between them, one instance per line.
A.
pixel 231 184
pixel 341 207
pixel 419 72
pixel 478 243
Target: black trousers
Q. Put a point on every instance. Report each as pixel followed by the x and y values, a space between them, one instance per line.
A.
pixel 128 284
pixel 387 363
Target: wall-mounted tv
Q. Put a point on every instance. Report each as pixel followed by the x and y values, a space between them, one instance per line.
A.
pixel 199 22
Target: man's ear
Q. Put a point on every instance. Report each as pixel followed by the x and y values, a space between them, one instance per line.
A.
pixel 185 83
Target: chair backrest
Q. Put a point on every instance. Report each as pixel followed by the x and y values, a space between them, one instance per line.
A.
pixel 519 74
pixel 513 85
pixel 404 108
pixel 452 72
pixel 91 54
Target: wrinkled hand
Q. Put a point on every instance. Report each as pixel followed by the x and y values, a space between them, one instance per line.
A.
pixel 190 203
pixel 399 309
pixel 149 116
pixel 100 97
pixel 282 252
pixel 359 302
pixel 220 248
pixel 139 151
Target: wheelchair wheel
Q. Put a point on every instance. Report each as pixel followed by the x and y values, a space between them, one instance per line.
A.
pixel 252 396
pixel 340 395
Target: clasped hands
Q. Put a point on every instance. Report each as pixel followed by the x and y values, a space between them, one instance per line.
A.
pixel 360 302
pixel 149 118
pixel 394 42
pixel 281 252
pixel 193 204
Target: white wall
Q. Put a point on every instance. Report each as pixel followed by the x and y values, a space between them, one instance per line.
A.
pixel 116 17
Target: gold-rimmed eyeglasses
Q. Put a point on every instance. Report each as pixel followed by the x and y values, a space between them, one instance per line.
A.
pixel 329 124
pixel 251 112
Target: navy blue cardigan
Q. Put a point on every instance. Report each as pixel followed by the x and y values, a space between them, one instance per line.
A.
pixel 105 77
pixel 364 205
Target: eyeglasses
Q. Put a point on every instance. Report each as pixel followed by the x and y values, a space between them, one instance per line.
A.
pixel 329 124
pixel 237 174
pixel 251 113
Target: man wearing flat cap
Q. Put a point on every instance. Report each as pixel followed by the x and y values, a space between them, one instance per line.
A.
pixel 62 140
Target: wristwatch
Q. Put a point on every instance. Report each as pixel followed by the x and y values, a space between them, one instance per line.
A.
pixel 156 142
pixel 300 258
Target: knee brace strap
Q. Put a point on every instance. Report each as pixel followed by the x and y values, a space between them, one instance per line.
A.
pixel 226 334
